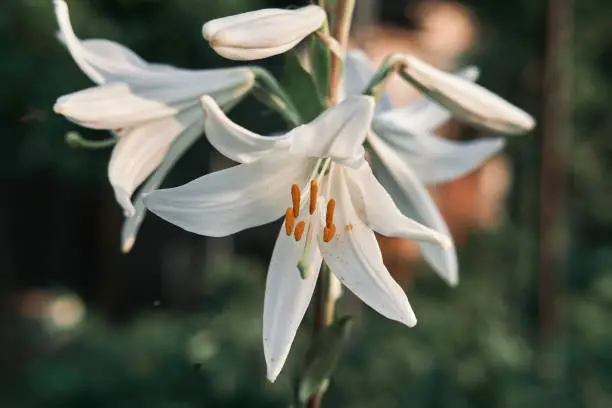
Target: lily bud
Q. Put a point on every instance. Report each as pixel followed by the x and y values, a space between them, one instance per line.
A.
pixel 262 33
pixel 466 100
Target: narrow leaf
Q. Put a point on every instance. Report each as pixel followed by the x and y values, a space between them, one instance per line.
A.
pixel 320 65
pixel 300 86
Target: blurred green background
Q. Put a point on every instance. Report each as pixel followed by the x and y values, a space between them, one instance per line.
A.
pixel 177 322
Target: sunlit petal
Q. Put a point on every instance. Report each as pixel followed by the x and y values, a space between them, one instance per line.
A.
pixel 433 158
pixel 337 133
pixel 234 199
pixel 286 299
pixel 413 200
pixel 377 210
pixel 262 33
pixel 234 141
pixel 140 150
pixel 354 257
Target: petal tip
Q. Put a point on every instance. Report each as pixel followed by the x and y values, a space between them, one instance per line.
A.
pixel 124 200
pixel 273 369
pixel 128 244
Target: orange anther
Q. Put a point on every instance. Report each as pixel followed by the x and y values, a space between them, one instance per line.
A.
pixel 314 193
pixel 295 198
pixel 289 221
pixel 299 230
pixel 328 233
pixel 329 216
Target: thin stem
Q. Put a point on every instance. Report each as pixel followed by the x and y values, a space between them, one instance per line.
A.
pixel 325 303
pixel 324 316
pixel 75 140
pixel 342 27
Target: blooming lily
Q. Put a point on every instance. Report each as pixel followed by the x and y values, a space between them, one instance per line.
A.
pixel 317 177
pixel 262 33
pixel 146 105
pixel 406 154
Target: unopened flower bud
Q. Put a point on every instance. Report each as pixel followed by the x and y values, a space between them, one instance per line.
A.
pixel 466 100
pixel 262 33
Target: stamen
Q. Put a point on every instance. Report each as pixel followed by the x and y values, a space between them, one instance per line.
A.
pixel 328 233
pixel 295 197
pixel 329 216
pixel 299 230
pixel 314 193
pixel 289 221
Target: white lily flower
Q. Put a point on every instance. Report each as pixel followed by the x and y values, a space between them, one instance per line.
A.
pixel 262 33
pixel 406 154
pixel 467 101
pixel 146 105
pixel 317 177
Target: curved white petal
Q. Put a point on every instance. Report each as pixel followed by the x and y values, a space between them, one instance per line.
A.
pixel 234 199
pixel 337 133
pixel 150 97
pixel 354 257
pixel 357 73
pixel 234 141
pixel 141 149
pixel 262 33
pixel 377 210
pixel 101 60
pixel 413 200
pixel 286 299
pixel 422 115
pixel 433 158
pixel 468 101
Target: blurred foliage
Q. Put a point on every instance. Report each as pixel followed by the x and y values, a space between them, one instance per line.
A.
pixel 475 346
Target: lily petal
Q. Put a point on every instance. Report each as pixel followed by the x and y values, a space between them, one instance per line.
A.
pixel 433 158
pixel 354 257
pixel 262 33
pixel 103 61
pixel 151 97
pixel 338 132
pixel 234 141
pixel 467 101
pixel 234 199
pixel 357 73
pixel 422 115
pixel 286 299
pixel 377 210
pixel 413 200
pixel 140 150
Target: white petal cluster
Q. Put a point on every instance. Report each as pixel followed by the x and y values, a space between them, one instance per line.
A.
pixel 315 176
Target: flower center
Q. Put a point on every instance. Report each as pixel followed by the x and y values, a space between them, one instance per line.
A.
pixel 309 225
pixel 293 213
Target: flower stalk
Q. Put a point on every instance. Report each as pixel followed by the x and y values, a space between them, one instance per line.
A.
pixel 325 302
pixel 342 27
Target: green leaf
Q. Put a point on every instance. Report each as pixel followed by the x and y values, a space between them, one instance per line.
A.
pixel 320 64
pixel 301 88
pixel 323 358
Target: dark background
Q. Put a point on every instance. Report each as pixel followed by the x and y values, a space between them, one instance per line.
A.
pixel 176 323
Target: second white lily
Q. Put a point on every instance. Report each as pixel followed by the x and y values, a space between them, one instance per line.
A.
pixel 406 154
pixel 147 105
pixel 315 175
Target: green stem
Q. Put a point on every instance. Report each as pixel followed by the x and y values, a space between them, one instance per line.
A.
pixel 75 140
pixel 324 316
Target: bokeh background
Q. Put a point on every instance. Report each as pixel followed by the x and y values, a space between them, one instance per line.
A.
pixel 177 322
